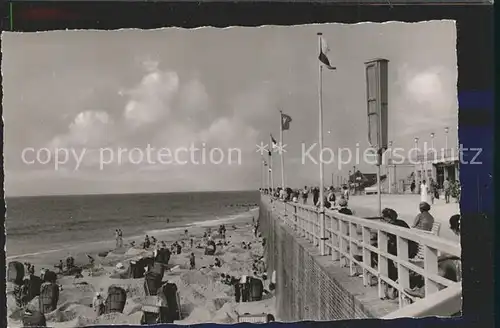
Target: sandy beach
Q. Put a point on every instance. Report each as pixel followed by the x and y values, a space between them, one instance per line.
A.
pixel 203 297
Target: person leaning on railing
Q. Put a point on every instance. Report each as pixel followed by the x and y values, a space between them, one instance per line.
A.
pixel 391 216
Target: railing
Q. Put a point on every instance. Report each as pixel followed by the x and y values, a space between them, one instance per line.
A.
pixel 344 236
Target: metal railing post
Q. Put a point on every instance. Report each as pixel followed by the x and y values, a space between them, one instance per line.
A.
pixel 322 232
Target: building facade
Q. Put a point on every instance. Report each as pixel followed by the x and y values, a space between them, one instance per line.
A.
pixel 439 167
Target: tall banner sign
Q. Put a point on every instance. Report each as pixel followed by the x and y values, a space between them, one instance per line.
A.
pixel 377 101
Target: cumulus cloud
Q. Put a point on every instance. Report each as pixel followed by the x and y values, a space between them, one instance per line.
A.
pixel 194 97
pixel 163 111
pixel 88 129
pixel 427 98
pixel 152 98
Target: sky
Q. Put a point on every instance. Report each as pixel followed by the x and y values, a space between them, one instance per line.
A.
pixel 92 93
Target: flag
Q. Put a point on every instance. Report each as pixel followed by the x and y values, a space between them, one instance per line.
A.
pixel 322 54
pixel 273 141
pixel 285 122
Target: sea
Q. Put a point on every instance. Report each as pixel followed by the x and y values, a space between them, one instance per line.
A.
pixel 37 224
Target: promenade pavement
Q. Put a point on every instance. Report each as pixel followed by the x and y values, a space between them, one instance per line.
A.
pixel 407 208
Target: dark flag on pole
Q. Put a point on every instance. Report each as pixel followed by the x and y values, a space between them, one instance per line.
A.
pixel 273 141
pixel 322 54
pixel 285 122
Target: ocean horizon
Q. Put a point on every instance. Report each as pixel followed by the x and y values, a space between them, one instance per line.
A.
pixel 43 223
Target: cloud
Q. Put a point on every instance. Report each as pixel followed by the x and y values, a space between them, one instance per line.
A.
pixel 152 98
pixel 427 98
pixel 88 129
pixel 194 98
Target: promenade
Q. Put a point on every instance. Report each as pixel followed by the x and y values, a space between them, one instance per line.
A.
pixel 407 208
pixel 354 287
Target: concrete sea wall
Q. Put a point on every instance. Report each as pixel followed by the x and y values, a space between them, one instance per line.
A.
pixel 305 288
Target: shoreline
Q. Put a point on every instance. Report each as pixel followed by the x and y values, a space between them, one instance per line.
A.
pixel 204 298
pixel 156 232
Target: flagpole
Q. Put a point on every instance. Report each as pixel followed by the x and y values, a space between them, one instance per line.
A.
pixel 271 163
pixel 262 173
pixel 321 184
pixel 268 179
pixel 282 153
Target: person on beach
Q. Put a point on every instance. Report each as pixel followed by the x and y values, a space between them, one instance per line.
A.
pixel 59 266
pixel 192 242
pixel 98 304
pixel 237 290
pixel 120 238
pixel 424 191
pixel 245 291
pixel 147 243
pixel 42 273
pixel 192 263
pixel 217 263
pixel 116 238
pixel 31 269
pixel 447 190
pixel 305 195
pixel 91 265
pixel 424 220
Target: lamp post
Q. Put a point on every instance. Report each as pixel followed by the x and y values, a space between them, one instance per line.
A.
pixel 389 164
pixel 416 161
pixel 354 178
pixel 446 130
pixel 433 153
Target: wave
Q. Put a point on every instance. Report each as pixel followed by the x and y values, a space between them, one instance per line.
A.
pixel 149 232
pixel 205 223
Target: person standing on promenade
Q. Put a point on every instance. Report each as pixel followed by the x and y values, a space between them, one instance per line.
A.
pixel 315 193
pixel 305 195
pixel 432 190
pixel 424 191
pixel 413 186
pixel 345 192
pixel 424 220
pixel 447 189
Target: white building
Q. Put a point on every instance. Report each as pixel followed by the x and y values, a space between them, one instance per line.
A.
pixel 438 166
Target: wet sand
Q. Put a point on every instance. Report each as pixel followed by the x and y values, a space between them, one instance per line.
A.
pixel 203 297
